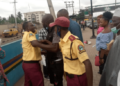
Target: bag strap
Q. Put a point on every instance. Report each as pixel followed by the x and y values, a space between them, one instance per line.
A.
pixel 71 49
pixel 71 52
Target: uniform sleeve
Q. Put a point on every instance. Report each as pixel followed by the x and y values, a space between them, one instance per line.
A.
pixel 79 50
pixel 56 38
pixel 31 37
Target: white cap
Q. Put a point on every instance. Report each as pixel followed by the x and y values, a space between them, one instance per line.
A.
pixel 117 12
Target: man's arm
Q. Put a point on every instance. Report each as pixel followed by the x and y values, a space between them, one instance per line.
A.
pixel 79 50
pixel 52 47
pixel 35 43
pixel 89 72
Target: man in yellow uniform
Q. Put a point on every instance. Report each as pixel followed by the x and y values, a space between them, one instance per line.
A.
pixel 77 66
pixel 31 57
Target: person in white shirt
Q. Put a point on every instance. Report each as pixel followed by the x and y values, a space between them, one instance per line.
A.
pixel 111 72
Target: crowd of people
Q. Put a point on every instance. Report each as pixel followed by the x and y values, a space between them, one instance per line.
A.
pixel 61 43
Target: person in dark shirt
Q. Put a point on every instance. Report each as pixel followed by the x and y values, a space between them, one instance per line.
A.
pixel 74 27
pixel 54 59
pixel 42 35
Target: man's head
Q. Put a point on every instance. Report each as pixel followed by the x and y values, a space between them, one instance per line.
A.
pixel 47 19
pixel 116 19
pixel 63 12
pixel 28 26
pixel 61 25
pixel 115 24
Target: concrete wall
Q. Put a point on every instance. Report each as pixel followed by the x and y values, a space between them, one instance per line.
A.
pixel 13 69
pixel 12 63
pixel 8 26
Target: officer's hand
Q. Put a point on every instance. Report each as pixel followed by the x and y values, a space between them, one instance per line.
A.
pixel 46 42
pixel 43 52
pixel 43 41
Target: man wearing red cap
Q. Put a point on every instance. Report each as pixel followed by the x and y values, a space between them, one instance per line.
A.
pixel 74 27
pixel 77 66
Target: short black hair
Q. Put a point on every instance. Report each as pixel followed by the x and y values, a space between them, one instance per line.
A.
pixel 25 25
pixel 107 16
pixel 48 18
pixel 63 12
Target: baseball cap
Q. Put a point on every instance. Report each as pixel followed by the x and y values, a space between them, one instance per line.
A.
pixel 61 21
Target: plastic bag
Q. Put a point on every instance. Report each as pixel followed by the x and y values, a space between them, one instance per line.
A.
pixel 43 62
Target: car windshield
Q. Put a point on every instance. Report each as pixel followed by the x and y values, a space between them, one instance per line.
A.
pixel 6 30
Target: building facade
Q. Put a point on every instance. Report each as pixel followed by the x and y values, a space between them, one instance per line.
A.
pixel 34 16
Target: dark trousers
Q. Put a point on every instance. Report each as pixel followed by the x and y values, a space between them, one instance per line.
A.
pixel 77 80
pixel 33 74
pixel 83 27
pixel 56 73
pixel 101 67
pixel 45 70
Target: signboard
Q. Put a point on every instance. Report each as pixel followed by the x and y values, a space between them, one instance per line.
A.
pixel 100 9
pixel 107 8
pixel 86 12
pixel 110 8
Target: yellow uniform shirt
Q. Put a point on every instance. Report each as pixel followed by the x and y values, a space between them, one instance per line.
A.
pixel 76 67
pixel 30 53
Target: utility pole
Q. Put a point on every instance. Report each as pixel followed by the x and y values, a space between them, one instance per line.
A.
pixel 29 11
pixel 79 6
pixel 15 13
pixel 50 5
pixel 29 7
pixel 115 3
pixel 93 32
pixel 69 4
pixel 66 5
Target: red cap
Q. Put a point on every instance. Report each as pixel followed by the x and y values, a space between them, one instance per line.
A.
pixel 61 21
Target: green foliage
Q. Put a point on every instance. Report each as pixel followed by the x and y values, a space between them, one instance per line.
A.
pixel 81 15
pixel 11 19
pixel 25 20
pixel 3 20
pixel 19 16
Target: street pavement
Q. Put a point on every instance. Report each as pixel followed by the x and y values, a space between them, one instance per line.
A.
pixel 91 50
